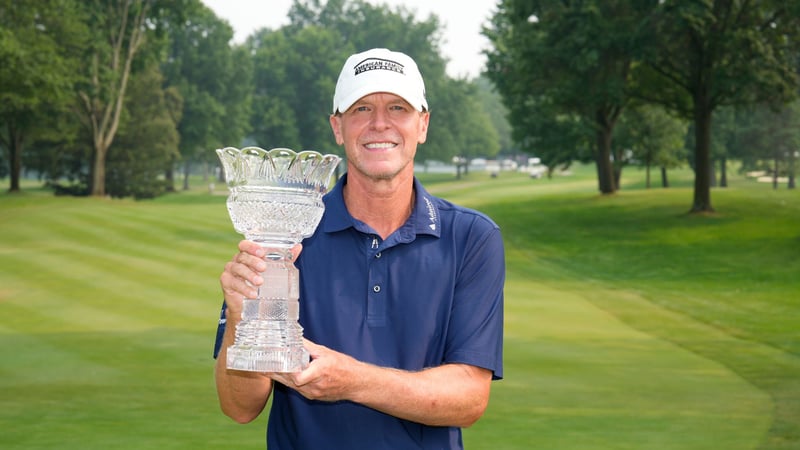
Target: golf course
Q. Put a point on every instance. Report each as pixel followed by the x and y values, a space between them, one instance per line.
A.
pixel 629 323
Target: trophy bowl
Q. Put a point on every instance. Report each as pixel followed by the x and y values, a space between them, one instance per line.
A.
pixel 275 200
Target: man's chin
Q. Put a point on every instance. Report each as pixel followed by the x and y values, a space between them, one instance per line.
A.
pixel 385 173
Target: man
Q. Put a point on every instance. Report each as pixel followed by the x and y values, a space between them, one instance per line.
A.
pixel 401 293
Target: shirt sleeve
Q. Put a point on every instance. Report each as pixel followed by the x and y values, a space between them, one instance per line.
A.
pixel 220 329
pixel 475 333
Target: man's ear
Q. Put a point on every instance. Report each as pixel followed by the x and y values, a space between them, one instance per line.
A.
pixel 423 127
pixel 336 121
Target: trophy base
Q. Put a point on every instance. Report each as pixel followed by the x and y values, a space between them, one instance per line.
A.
pixel 267 359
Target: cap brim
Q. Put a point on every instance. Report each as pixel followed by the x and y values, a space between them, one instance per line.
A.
pixel 363 91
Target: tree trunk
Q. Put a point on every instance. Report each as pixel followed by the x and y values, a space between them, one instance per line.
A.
pixel 617 168
pixel 169 179
pixel 169 175
pixel 647 176
pixel 723 172
pixel 98 188
pixel 103 113
pixel 702 165
pixel 791 183
pixel 664 179
pixel 605 168
pixel 187 168
pixel 775 174
pixel 14 157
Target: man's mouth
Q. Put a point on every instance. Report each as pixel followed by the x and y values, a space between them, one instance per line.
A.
pixel 380 145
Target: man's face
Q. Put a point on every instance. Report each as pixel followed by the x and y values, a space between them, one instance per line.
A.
pixel 380 133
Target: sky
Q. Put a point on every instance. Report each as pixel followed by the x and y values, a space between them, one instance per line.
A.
pixel 462 20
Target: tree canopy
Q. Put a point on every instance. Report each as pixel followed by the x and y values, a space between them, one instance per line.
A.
pixel 76 75
pixel 565 69
pixel 702 55
pixel 566 66
pixel 39 45
pixel 92 89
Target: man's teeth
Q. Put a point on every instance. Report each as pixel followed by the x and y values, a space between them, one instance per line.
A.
pixel 378 145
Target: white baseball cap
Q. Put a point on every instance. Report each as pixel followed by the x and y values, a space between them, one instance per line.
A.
pixel 379 70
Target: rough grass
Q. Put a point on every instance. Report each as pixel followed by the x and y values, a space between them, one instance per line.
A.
pixel 629 324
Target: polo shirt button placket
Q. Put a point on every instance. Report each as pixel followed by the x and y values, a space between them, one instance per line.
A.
pixel 376 304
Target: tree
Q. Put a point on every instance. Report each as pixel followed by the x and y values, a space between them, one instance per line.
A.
pixel 294 74
pixel 780 140
pixel 59 153
pixel 147 140
pixel 556 138
pixel 213 78
pixel 120 27
pixel 492 103
pixel 357 26
pixel 653 137
pixel 573 59
pixel 462 127
pixel 705 54
pixel 38 41
pixel 771 138
pixel 723 139
pixel 461 124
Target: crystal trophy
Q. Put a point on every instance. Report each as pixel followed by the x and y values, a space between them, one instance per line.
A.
pixel 275 200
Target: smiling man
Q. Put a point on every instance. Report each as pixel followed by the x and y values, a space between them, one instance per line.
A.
pixel 401 293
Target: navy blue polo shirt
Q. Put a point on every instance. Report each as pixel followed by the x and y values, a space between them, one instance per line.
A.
pixel 430 294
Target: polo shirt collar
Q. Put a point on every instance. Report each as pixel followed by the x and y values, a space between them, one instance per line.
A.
pixel 425 217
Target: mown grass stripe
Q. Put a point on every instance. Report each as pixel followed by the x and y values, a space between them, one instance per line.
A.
pixel 575 367
pixel 629 324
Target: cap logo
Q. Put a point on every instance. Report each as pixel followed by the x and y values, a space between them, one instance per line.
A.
pixel 379 64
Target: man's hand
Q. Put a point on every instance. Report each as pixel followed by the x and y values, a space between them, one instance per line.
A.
pixel 242 275
pixel 447 395
pixel 331 376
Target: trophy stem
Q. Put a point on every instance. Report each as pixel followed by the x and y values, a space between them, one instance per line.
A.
pixel 269 338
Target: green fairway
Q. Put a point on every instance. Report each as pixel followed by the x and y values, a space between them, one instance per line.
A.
pixel 629 324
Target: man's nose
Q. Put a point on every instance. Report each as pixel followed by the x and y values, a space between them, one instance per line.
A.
pixel 380 119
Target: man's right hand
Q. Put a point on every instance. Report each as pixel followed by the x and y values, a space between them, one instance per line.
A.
pixel 242 276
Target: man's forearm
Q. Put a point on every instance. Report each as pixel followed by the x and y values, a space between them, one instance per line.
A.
pixel 242 395
pixel 449 395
